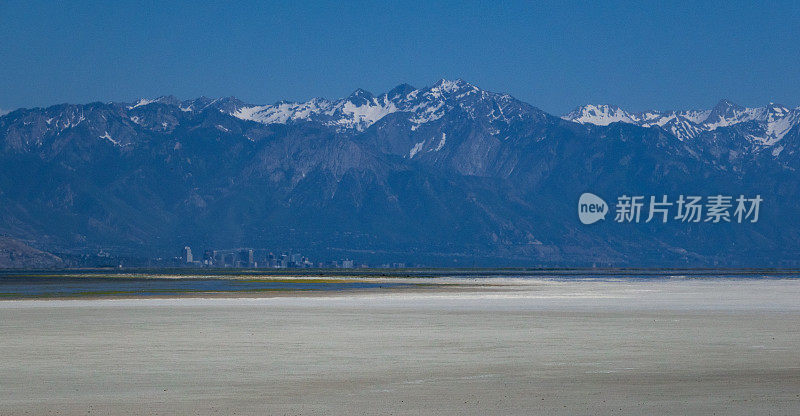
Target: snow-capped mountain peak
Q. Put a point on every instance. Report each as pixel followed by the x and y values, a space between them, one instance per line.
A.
pixel 601 115
pixel 362 109
pixel 140 103
pixel 360 97
pixel 164 99
pixel 773 120
pixel 400 91
pixel 444 86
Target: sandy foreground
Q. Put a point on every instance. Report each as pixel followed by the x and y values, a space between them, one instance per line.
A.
pixel 656 346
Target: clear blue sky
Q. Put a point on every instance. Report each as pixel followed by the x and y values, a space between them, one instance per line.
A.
pixel 639 55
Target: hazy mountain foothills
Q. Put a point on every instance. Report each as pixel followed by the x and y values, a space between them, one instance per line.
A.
pixel 444 175
pixel 16 254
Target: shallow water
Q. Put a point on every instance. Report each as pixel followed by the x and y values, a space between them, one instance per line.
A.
pixel 18 287
pixel 187 282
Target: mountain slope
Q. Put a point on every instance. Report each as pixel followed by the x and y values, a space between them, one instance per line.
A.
pixel 15 254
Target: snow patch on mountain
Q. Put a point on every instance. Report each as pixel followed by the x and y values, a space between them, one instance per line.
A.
pixel 696 116
pixel 414 150
pixel 109 138
pixel 441 142
pixel 140 103
pixel 363 116
pixel 424 113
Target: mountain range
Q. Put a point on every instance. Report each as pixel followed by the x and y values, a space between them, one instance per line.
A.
pixel 771 122
pixel 445 175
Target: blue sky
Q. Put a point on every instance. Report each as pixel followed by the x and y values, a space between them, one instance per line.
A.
pixel 639 55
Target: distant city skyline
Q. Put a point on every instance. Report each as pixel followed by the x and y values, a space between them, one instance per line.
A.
pixel 553 56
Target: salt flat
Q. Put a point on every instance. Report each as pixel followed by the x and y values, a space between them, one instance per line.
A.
pixel 477 346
